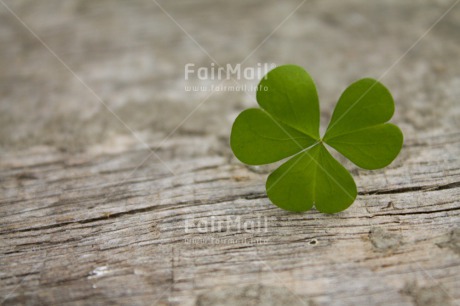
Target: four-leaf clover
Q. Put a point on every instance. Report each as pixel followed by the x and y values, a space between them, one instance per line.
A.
pixel 287 124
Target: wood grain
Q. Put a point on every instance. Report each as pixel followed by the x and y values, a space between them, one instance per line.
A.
pixel 89 215
pixel 71 235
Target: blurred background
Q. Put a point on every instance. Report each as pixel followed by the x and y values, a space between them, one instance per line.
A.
pixel 131 55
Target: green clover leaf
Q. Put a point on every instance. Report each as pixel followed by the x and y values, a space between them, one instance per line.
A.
pixel 287 124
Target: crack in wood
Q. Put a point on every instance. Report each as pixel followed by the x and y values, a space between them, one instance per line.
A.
pixel 411 189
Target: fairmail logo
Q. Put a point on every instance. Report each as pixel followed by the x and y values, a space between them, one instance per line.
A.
pixel 227 72
pixel 213 224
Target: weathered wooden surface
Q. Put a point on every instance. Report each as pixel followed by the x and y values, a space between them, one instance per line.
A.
pixel 89 216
